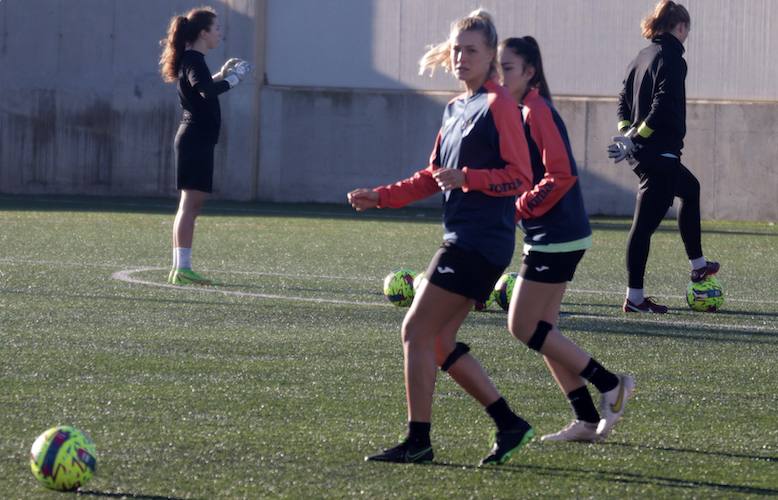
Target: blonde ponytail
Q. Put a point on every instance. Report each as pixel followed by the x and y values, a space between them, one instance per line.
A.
pixel 440 54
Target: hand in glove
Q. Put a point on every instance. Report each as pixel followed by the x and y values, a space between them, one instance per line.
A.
pixel 237 73
pixel 226 67
pixel 623 146
pixel 242 69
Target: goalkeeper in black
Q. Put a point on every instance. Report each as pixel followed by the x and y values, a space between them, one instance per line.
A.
pixel 652 125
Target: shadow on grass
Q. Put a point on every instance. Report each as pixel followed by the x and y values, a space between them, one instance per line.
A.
pixel 699 452
pixel 675 332
pixel 705 315
pixel 670 227
pixel 168 206
pixel 593 323
pixel 615 477
pixel 425 213
pixel 138 496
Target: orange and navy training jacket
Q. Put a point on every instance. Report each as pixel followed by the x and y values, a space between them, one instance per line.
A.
pixel 551 213
pixel 481 135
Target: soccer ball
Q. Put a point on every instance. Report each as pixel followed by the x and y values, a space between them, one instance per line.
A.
pixel 503 290
pixel 63 458
pixel 705 295
pixel 398 287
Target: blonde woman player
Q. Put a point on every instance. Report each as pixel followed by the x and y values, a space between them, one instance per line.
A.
pixel 480 162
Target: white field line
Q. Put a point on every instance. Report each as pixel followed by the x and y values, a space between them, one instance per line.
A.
pixel 324 276
pixel 126 275
pixel 204 270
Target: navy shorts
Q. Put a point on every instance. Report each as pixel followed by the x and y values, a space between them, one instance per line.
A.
pixel 463 272
pixel 194 160
pixel 550 267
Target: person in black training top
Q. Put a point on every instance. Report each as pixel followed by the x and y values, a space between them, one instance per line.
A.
pixel 481 162
pixel 652 124
pixel 557 234
pixel 189 37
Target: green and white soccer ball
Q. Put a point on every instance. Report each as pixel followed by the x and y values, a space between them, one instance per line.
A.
pixel 398 287
pixel 706 295
pixel 503 289
pixel 63 458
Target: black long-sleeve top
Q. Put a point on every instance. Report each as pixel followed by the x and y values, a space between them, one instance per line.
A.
pixel 653 98
pixel 199 95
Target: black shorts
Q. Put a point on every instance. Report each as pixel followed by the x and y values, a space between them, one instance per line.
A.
pixel 462 272
pixel 194 160
pixel 550 267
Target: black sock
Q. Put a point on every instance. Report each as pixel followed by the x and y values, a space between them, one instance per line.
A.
pixel 602 379
pixel 583 406
pixel 502 414
pixel 419 433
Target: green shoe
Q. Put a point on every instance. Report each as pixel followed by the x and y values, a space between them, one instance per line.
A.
pixel 170 275
pixel 184 276
pixel 508 441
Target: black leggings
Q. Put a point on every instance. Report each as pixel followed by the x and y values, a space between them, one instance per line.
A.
pixel 661 180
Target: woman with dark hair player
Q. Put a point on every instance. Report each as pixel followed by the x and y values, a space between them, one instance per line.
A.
pixel 188 39
pixel 480 162
pixel 557 234
pixel 652 124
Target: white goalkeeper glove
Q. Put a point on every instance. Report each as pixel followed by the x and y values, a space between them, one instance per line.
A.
pixel 623 146
pixel 237 73
pixel 226 67
pixel 232 79
pixel 242 69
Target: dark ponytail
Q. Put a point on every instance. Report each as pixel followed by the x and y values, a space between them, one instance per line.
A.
pixel 666 16
pixel 528 49
pixel 182 31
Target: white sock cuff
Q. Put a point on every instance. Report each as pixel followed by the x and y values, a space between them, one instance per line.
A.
pixel 698 263
pixel 635 295
pixel 183 258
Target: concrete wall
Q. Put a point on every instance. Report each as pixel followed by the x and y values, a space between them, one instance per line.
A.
pixel 83 107
pixel 318 144
pixel 586 44
pixel 336 103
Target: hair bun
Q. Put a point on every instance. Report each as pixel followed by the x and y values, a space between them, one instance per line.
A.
pixel 481 13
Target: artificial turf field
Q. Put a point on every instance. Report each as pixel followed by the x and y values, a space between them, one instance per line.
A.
pixel 277 382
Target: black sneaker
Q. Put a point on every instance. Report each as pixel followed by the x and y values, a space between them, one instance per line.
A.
pixel 404 453
pixel 710 268
pixel 506 442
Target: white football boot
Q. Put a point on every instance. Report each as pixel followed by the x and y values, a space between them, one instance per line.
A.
pixel 577 430
pixel 613 403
